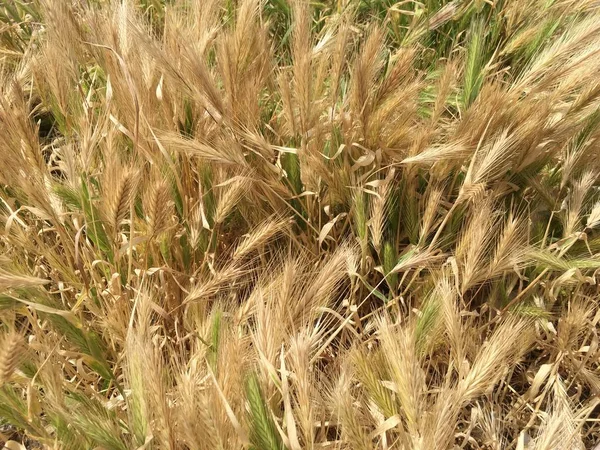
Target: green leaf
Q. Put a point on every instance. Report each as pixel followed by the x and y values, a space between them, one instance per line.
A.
pixel 473 78
pixel 263 432
pixel 95 228
pixel 215 339
pixel 13 409
pixel 376 292
pixel 553 262
pixel 426 322
pixel 409 214
pixel 70 196
pixel 389 261
pixel 95 421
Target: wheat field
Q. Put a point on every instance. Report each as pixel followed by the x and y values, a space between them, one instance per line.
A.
pixel 294 224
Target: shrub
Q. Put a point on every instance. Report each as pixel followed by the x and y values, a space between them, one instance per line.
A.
pixel 297 225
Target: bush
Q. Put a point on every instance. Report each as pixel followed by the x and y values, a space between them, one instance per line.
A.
pixel 297 225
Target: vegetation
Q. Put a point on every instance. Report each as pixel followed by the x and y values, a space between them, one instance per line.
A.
pixel 283 224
